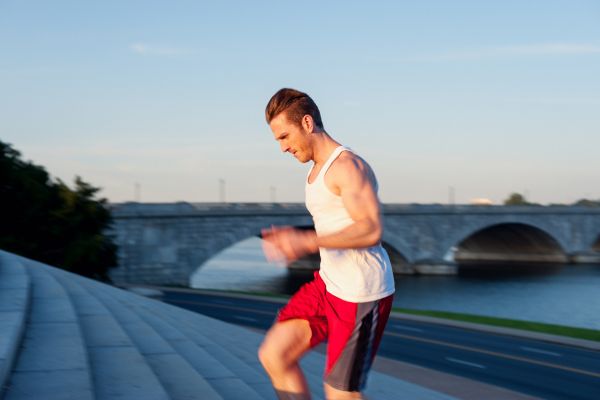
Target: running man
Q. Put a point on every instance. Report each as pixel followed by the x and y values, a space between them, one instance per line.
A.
pixel 350 298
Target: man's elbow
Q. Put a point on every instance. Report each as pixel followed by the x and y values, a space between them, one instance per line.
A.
pixel 374 236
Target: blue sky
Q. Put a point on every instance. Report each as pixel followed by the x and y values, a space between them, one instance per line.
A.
pixel 485 97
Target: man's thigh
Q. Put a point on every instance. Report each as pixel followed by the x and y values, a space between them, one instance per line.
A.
pixel 307 304
pixel 287 341
pixel 355 332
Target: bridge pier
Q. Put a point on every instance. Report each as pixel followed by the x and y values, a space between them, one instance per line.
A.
pixel 590 257
pixel 484 257
pixel 435 268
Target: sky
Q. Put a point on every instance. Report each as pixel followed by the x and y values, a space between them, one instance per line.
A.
pixel 446 100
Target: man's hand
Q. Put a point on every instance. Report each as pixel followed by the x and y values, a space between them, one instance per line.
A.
pixel 288 242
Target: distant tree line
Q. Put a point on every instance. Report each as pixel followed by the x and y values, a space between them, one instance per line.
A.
pixel 517 199
pixel 587 203
pixel 43 219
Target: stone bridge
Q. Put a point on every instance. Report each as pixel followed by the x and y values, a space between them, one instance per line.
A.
pixel 166 243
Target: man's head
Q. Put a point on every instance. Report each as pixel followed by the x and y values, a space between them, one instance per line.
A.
pixel 295 105
pixel 293 116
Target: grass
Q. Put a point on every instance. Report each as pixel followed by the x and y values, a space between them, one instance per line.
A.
pixel 561 330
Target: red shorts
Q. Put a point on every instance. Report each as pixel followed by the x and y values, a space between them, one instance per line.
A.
pixel 353 331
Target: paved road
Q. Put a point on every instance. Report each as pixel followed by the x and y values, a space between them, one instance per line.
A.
pixel 531 367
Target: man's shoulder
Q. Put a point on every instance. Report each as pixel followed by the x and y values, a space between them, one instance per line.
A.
pixel 350 160
pixel 347 167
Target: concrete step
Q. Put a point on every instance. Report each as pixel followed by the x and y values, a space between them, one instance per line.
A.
pixel 118 368
pixel 15 295
pixel 235 379
pixel 52 354
pixel 380 386
pixel 244 344
pixel 224 381
pixel 179 377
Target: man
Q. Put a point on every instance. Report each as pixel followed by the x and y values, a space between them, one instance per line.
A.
pixel 349 301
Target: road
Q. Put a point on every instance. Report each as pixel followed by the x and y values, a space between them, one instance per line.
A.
pixel 540 369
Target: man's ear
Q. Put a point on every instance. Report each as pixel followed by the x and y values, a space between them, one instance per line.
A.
pixel 308 123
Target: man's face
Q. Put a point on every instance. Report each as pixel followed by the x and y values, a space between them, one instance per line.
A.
pixel 291 137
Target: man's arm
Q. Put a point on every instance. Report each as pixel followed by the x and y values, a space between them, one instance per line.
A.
pixel 353 180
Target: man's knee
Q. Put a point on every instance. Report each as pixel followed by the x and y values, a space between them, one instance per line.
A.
pixel 284 345
pixel 271 358
pixel 265 354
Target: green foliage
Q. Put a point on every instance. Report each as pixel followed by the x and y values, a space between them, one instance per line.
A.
pixel 517 199
pixel 45 220
pixel 587 203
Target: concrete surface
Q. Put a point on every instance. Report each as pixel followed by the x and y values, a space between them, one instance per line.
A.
pixel 64 336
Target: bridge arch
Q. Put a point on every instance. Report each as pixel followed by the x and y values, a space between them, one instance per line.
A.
pixel 509 242
pixel 224 240
pixel 596 244
pixel 400 263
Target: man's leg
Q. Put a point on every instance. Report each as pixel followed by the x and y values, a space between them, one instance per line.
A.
pixel 284 345
pixel 332 393
pixel 355 330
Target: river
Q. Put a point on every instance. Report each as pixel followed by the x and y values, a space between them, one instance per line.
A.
pixel 559 294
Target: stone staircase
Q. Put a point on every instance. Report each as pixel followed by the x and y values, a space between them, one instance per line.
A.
pixel 63 336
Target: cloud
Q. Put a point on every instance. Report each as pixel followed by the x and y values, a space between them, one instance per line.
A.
pixel 527 50
pixel 559 101
pixel 549 49
pixel 158 50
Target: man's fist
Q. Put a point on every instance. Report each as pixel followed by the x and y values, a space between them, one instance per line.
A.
pixel 288 242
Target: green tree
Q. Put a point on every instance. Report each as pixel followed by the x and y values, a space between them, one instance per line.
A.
pixel 587 203
pixel 517 199
pixel 45 220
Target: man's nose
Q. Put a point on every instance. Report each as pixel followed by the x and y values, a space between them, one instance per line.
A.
pixel 284 147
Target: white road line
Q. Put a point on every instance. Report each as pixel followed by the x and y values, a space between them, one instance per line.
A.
pixel 245 318
pixel 408 328
pixel 494 353
pixel 455 360
pixel 534 350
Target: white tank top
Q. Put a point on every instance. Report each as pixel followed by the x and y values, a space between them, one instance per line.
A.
pixel 355 275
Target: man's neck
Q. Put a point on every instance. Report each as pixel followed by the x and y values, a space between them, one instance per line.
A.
pixel 323 146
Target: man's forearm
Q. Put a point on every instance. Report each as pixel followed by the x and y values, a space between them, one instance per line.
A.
pixel 358 235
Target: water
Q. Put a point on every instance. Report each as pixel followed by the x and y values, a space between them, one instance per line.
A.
pixel 565 295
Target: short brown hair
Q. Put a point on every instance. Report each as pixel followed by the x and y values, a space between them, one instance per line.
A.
pixel 296 104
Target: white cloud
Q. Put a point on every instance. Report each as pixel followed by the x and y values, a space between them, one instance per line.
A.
pixel 560 101
pixel 158 50
pixel 540 49
pixel 549 49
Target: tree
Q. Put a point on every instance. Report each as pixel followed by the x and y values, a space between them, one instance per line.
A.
pixel 45 220
pixel 587 203
pixel 517 199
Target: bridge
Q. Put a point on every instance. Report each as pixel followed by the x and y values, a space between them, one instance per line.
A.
pixel 165 243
